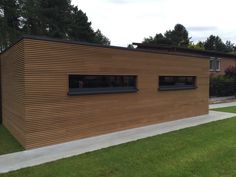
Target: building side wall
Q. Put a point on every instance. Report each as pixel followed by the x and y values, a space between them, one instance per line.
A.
pixel 12 77
pixel 224 64
pixel 54 117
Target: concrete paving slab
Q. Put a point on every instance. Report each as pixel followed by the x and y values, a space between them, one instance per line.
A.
pixel 220 99
pixel 29 158
pixel 221 105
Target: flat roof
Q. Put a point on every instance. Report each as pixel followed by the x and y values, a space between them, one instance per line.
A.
pixel 138 49
pixel 168 48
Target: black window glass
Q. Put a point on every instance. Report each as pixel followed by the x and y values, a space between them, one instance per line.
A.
pixel 177 82
pixel 101 83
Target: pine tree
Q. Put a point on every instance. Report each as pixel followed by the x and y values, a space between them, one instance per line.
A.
pixel 10 22
pixel 79 28
pixel 51 18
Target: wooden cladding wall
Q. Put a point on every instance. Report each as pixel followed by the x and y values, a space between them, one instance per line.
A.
pixel 12 81
pixel 51 116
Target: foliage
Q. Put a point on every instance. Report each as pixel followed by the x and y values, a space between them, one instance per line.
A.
pixel 199 45
pixel 230 47
pixel 231 71
pixel 10 25
pixel 206 150
pixel 179 37
pixel 176 37
pixel 101 39
pixel 222 86
pixel 214 43
pixel 52 18
pixel 159 39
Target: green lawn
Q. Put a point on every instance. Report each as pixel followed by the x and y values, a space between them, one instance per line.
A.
pixel 8 144
pixel 231 109
pixel 204 151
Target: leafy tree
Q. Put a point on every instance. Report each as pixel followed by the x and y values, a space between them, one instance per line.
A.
pixel 176 37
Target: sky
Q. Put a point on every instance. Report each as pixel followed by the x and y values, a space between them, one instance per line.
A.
pixel 127 21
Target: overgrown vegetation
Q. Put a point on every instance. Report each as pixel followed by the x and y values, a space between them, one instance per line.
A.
pixel 207 150
pixel 8 143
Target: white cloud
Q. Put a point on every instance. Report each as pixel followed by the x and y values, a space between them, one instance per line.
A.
pixel 127 21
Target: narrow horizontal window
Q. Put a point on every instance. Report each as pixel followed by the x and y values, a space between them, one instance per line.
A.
pixel 177 82
pixel 97 84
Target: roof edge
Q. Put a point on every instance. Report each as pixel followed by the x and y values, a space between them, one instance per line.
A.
pixel 184 50
pixel 44 38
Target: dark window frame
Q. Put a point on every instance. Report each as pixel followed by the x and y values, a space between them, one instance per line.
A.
pixel 177 87
pixel 102 90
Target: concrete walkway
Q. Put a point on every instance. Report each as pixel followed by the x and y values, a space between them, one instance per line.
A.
pixel 15 161
pixel 221 99
pixel 221 105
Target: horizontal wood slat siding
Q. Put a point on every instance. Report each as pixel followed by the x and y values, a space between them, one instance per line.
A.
pixel 12 76
pixel 38 111
pixel 54 117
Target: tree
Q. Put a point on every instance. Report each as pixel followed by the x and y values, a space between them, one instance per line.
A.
pixel 214 43
pixel 176 37
pixel 101 39
pixel 79 28
pixel 46 17
pixel 52 18
pixel 230 47
pixel 10 23
pixel 199 45
pixel 158 39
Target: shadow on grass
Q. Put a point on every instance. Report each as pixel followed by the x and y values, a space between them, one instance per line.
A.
pixel 8 144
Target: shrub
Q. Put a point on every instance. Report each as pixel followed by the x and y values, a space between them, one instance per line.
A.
pixel 222 86
pixel 230 71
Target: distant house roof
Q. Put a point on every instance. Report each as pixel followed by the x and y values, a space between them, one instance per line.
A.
pixel 185 50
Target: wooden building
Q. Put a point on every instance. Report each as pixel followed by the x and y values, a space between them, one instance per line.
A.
pixel 54 91
pixel 218 61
